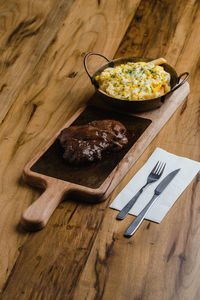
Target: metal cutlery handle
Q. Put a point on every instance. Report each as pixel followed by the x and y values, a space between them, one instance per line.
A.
pixel 138 220
pixel 122 214
pixel 153 176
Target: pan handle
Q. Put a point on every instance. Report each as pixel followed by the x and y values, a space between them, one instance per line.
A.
pixel 186 74
pixel 85 62
pixel 36 216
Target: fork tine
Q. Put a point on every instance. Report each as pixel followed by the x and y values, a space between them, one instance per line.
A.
pixel 158 168
pixel 153 170
pixel 161 169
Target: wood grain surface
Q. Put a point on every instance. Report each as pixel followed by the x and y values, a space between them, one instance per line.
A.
pixel 82 253
pixel 94 182
pixel 42 83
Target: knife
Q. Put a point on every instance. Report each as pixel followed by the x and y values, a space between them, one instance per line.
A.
pixel 159 189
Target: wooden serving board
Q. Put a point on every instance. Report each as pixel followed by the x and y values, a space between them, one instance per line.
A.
pixel 93 182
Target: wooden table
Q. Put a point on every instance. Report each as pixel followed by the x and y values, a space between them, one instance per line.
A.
pixel 82 254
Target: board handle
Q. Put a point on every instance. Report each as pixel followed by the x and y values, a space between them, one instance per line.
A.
pixel 36 216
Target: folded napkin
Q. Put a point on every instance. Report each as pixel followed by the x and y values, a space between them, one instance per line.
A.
pixel 189 169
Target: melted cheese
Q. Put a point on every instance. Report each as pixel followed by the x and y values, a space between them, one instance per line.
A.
pixel 134 81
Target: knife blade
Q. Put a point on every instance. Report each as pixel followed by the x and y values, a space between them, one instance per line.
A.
pixel 158 190
pixel 164 183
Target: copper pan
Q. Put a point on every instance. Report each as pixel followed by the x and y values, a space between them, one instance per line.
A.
pixel 136 105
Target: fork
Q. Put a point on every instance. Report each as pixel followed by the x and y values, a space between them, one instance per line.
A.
pixel 154 175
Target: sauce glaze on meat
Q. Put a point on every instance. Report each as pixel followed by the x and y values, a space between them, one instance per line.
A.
pixel 86 143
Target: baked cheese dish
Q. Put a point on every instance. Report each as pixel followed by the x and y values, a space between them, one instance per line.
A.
pixel 135 81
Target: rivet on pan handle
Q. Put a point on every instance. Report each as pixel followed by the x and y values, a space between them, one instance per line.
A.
pixel 186 74
pixel 85 64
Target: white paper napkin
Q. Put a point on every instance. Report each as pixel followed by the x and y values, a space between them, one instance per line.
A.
pixel 189 169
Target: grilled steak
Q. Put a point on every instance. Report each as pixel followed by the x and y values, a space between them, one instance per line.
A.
pixel 86 143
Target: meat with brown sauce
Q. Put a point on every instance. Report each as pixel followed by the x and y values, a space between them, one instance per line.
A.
pixel 86 143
